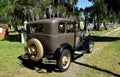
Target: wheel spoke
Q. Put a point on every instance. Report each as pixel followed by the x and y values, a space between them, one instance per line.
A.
pixel 65 61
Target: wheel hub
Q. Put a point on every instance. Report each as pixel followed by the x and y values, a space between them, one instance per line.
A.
pixel 64 60
pixel 33 50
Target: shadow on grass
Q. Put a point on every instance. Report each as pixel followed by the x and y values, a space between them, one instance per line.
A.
pixel 13 38
pixel 38 66
pixel 96 68
pixel 104 38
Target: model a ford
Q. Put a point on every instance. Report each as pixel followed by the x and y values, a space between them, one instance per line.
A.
pixel 56 41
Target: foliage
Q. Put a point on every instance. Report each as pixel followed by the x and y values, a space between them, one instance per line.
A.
pixel 104 11
pixel 21 10
pixel 97 12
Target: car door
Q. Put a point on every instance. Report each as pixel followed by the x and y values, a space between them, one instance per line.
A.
pixel 61 33
pixel 78 37
pixel 70 33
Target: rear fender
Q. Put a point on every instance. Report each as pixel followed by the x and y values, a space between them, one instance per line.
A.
pixel 61 48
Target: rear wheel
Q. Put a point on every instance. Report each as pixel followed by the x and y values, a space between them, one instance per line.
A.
pixel 64 60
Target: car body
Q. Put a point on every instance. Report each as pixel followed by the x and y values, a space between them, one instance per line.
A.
pixel 56 41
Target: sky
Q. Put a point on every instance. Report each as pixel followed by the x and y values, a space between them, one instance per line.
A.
pixel 83 3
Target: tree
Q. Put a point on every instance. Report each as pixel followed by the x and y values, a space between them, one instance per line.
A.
pixel 35 9
pixel 99 11
pixel 64 8
pixel 28 9
pixel 113 9
pixel 110 9
pixel 46 7
pixel 4 9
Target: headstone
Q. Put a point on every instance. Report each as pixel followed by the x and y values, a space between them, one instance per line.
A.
pixel 23 33
pixel 25 24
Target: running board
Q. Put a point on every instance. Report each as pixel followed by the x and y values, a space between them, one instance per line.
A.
pixel 78 54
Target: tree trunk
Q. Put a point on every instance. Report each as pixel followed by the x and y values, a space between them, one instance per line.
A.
pixel 98 23
pixel 37 16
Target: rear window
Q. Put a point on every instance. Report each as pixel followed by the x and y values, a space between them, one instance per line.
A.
pixel 37 28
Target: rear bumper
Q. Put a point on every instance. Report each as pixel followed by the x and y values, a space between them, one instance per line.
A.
pixel 47 58
pixel 48 61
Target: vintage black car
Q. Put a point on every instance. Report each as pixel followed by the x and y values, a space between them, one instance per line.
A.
pixel 56 41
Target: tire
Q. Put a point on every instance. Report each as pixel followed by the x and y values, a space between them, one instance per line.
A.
pixel 35 49
pixel 64 60
pixel 90 46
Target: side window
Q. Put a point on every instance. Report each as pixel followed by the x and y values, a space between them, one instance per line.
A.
pixel 70 28
pixel 77 27
pixel 61 27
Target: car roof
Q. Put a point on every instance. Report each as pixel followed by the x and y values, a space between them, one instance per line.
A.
pixel 53 20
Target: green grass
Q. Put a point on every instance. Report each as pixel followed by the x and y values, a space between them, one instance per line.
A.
pixel 97 33
pixel 106 60
pixel 103 63
pixel 9 53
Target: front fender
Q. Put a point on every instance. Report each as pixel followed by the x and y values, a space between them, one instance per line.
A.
pixel 88 41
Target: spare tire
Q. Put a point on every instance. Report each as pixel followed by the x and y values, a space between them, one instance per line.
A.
pixel 35 49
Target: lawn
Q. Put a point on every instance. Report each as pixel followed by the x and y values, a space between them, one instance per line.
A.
pixel 9 53
pixel 104 62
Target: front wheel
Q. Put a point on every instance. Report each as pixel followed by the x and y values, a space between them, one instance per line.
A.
pixel 90 47
pixel 64 60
